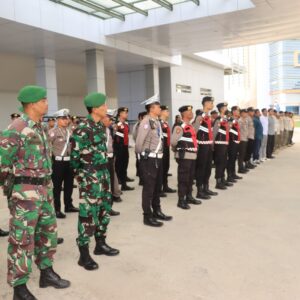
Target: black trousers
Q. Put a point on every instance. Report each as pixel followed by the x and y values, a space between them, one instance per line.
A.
pixel 270 145
pixel 242 154
pixel 122 159
pixel 151 174
pixel 62 173
pixel 185 176
pixel 250 148
pixel 166 166
pixel 220 160
pixel 257 145
pixel 233 149
pixel 204 164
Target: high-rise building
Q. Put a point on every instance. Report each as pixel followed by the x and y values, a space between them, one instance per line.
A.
pixel 285 75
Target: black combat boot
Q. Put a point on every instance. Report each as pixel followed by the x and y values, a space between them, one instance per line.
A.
pixel 158 214
pixel 103 248
pixel 126 187
pixel 182 203
pixel 191 200
pixel 220 185
pixel 85 260
pixel 235 176
pixel 60 241
pixel 21 292
pixel 149 220
pixel 208 192
pixel 201 194
pixel 116 199
pixel 249 166
pixel 226 183
pixel 3 233
pixel 50 278
pixel 243 171
pixel 167 189
pixel 231 179
pixel 162 195
pixel 114 213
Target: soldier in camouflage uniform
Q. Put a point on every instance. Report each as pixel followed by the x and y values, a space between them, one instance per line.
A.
pixel 90 164
pixel 25 173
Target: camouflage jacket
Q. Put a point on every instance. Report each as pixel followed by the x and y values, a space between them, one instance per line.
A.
pixel 24 151
pixel 89 159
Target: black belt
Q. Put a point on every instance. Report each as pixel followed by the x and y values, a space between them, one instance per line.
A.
pixel 32 180
pixel 92 168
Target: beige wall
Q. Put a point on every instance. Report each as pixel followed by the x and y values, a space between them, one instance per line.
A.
pixel 17 71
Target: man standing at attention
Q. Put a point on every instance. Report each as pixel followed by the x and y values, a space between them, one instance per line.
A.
pixel 59 138
pixel 89 161
pixel 149 146
pixel 265 124
pixel 121 144
pixel 164 116
pixel 184 143
pixel 204 131
pixel 271 134
pixel 25 174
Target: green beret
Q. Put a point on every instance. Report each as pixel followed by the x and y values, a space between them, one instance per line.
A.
pixel 32 94
pixel 94 100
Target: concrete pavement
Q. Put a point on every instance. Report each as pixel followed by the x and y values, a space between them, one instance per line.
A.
pixel 241 245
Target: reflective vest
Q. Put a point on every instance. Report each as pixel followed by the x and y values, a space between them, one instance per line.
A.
pixel 205 133
pixel 188 140
pixel 166 133
pixel 234 132
pixel 121 135
pixel 222 137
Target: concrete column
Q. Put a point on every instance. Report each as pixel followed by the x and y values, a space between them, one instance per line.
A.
pixel 165 84
pixel 46 77
pixel 95 71
pixel 152 80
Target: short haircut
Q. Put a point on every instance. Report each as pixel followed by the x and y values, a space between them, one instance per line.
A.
pixel 263 110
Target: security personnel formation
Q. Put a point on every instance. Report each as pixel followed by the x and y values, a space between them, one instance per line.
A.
pixel 41 162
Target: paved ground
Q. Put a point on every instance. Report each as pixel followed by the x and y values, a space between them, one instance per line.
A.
pixel 242 245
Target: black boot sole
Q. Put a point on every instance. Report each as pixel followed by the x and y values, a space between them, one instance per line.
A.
pixel 88 268
pixel 153 225
pixel 45 285
pixel 106 253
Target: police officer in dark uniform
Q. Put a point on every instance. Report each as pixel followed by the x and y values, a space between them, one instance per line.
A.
pixel 121 143
pixel 184 143
pixel 203 128
pixel 221 141
pixel 233 147
pixel 164 115
pixel 149 146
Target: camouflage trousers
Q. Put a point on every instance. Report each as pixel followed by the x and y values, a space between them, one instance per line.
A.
pixel 93 220
pixel 33 231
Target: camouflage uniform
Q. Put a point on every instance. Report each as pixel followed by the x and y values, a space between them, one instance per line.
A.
pixel 89 161
pixel 24 153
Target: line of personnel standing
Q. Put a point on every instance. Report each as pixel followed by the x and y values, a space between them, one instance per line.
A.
pixel 229 140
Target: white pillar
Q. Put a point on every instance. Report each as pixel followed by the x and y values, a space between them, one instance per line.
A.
pixel 46 77
pixel 152 80
pixel 95 72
